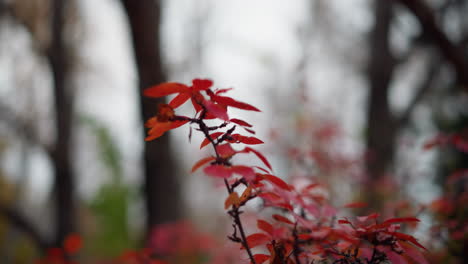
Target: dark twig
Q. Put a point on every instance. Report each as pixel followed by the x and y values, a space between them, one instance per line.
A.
pixel 234 212
pixel 21 223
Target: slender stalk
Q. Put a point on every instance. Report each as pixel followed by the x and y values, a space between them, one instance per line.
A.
pixel 235 214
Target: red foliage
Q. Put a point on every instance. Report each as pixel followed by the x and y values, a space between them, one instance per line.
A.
pixel 307 229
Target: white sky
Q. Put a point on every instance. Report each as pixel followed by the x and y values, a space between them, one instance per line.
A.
pixel 249 45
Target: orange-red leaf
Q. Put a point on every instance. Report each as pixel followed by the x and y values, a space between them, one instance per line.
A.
pixel 246 140
pixel 178 123
pixel 413 253
pixel 368 217
pixel 232 199
pixel 246 194
pixel 158 129
pixel 259 155
pixel 201 84
pixel 202 162
pixel 406 238
pixel 344 221
pixel 233 103
pixel 164 89
pixel 286 206
pixel 265 226
pixel 179 100
pixel 247 172
pixel 257 239
pixel 216 110
pixel 269 196
pixel 218 171
pixel 213 136
pixel 240 122
pixel 276 181
pixel 225 150
pixel 281 218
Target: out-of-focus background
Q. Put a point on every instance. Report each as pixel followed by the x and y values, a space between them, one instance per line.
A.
pixel 350 91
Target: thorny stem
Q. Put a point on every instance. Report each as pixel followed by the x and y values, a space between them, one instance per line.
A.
pixel 235 214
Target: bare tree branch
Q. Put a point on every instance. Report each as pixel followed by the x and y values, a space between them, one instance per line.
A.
pixel 452 53
pixel 422 90
pixel 23 224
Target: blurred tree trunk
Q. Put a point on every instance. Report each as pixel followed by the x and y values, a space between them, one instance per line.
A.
pixel 161 187
pixel 46 20
pixel 64 186
pixel 381 126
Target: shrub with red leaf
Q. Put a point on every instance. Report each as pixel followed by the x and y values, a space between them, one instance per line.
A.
pixel 304 228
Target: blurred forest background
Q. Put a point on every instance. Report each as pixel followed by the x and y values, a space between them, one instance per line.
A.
pixel 357 87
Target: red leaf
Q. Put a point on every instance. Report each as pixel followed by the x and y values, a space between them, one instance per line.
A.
pixel 257 239
pixel 232 199
pixel 283 219
pixel 401 220
pixel 158 129
pixel 196 105
pixel 218 171
pixel 276 181
pixel 233 103
pixel 216 110
pixel 240 122
pixel 367 217
pixel 213 136
pixel 260 258
pixel 220 91
pixel 201 84
pixel 265 226
pixel 250 131
pixel 201 162
pixel 179 100
pixel 164 89
pixel 406 238
pixel 356 205
pixel 260 168
pixel 395 258
pixel 246 194
pixel 178 123
pixel 72 244
pixel 259 155
pixel 269 196
pixel 247 172
pixel 225 150
pixel 344 222
pixel 413 253
pixel 286 206
pixel 246 140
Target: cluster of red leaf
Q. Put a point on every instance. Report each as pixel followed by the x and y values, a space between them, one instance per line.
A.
pixel 178 242
pixel 64 255
pixel 305 227
pixel 449 232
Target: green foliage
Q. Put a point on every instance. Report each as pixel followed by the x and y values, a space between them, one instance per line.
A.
pixel 110 204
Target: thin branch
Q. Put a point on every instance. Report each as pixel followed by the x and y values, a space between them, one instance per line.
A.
pixel 235 212
pixel 421 92
pixel 23 224
pixel 452 53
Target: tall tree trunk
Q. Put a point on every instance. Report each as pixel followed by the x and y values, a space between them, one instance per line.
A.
pixel 161 187
pixel 64 186
pixel 381 130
